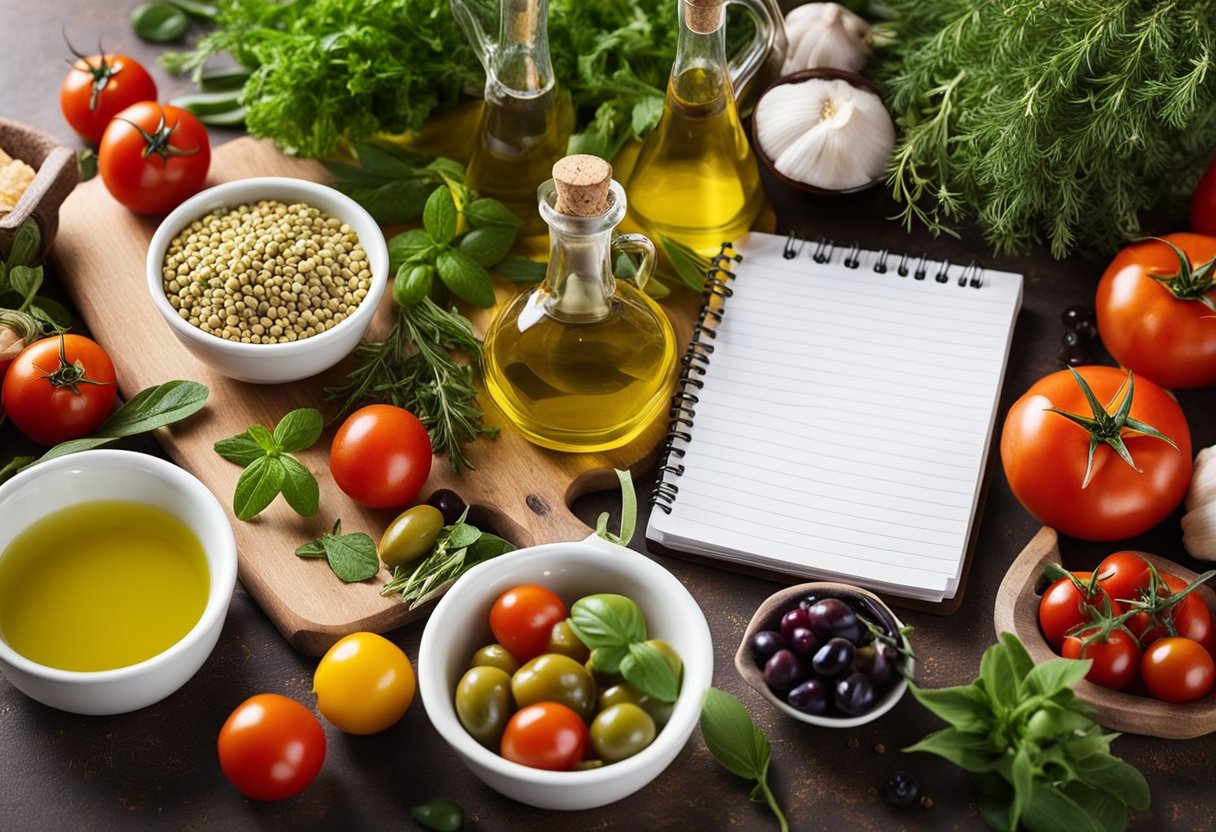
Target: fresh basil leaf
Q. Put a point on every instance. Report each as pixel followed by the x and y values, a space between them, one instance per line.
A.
pixel 656 288
pixel 1015 652
pixel 257 487
pixel 358 177
pixel 299 486
pixel 312 549
pixel 1023 785
pixel 299 429
pixel 452 171
pixel 629 513
pixel 1052 810
pixel 223 80
pixel 487 546
pixel 467 278
pixel 732 737
pixel 1115 777
pixel 25 281
pixel 86 164
pixel 385 163
pixel 970 752
pixel 965 707
pixel 25 244
pixel 490 213
pixel 488 245
pixel 390 203
pixel 645 115
pixel 263 438
pixel 409 246
pixel 645 668
pixel 691 267
pixel 1055 675
pixel 51 313
pixel 607 659
pixel 439 216
pixel 607 620
pixel 195 8
pixel 520 270
pixel 998 677
pixel 159 22
pixel 240 449
pixel 462 535
pixel 352 556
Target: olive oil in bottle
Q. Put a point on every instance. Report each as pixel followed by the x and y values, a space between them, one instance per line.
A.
pixel 584 362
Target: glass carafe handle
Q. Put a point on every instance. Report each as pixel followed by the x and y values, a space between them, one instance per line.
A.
pixel 469 15
pixel 641 246
pixel 748 60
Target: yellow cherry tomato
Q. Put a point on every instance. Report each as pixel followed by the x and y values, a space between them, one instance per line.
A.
pixel 364 684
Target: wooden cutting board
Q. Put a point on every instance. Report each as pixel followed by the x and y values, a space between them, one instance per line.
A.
pixel 521 491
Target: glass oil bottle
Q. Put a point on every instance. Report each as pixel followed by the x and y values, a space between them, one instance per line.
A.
pixel 696 180
pixel 526 119
pixel 584 362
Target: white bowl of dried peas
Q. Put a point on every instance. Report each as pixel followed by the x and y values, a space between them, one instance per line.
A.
pixel 268 280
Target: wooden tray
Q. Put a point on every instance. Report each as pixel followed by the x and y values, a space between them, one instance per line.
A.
pixel 521 491
pixel 1017 611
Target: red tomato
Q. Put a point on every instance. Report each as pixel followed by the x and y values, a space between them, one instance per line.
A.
pixel 1044 455
pixel 1064 607
pixel 1203 202
pixel 523 617
pixel 1177 670
pixel 59 388
pixel 1123 575
pixel 545 735
pixel 271 747
pixel 98 87
pixel 381 456
pixel 1161 332
pixel 1190 616
pixel 153 156
pixel 1116 661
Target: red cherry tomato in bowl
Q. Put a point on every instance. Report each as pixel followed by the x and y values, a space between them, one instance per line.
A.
pixel 1160 333
pixel 153 156
pixel 59 388
pixel 1045 455
pixel 271 747
pixel 1190 616
pixel 381 456
pixel 522 619
pixel 1116 661
pixel 98 87
pixel 545 735
pixel 1177 670
pixel 1122 575
pixel 1064 607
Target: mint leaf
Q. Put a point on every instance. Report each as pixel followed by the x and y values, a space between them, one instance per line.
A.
pixel 439 216
pixel 298 429
pixel 241 449
pixel 467 278
pixel 257 487
pixel 299 487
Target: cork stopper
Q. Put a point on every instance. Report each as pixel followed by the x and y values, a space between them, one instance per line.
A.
pixel 582 185
pixel 703 16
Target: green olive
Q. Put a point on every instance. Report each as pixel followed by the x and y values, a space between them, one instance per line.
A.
pixel 671 656
pixel 483 704
pixel 621 731
pixel 495 655
pixel 563 640
pixel 660 712
pixel 410 536
pixel 553 677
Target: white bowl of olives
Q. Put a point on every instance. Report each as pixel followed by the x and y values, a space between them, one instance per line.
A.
pixel 461 644
pixel 268 280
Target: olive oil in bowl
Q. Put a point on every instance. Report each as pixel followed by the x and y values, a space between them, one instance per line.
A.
pixel 101 585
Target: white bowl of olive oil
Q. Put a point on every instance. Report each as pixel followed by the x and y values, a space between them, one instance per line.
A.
pixel 116 569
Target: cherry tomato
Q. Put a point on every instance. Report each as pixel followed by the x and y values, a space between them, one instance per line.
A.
pixel 545 735
pixel 381 456
pixel 271 747
pixel 522 620
pixel 1177 670
pixel 153 156
pixel 59 388
pixel 1190 616
pixel 364 683
pixel 1044 455
pixel 1123 575
pixel 1064 607
pixel 1165 333
pixel 98 87
pixel 1203 202
pixel 1116 661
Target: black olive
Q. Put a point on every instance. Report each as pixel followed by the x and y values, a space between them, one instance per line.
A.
pixel 901 789
pixel 449 503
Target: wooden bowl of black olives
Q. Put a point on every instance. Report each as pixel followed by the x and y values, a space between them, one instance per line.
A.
pixel 827 653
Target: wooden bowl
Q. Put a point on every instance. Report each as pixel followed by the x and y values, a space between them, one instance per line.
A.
pixel 859 81
pixel 1017 612
pixel 55 178
pixel 768 617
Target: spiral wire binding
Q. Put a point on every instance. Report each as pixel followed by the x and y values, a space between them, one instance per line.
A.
pixel 696 358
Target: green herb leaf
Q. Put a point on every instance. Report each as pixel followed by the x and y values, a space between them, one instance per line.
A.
pixel 966 708
pixel 490 213
pixel 86 164
pixel 439 216
pixel 607 620
pixel 25 244
pixel 692 268
pixel 223 80
pixel 409 247
pixel 196 8
pixel 467 278
pixel 159 22
pixel 607 659
pixel 629 513
pixel 485 547
pixel 520 270
pixel 240 449
pixel 736 743
pixel 26 282
pixel 298 429
pixel 352 556
pixel 646 112
pixel 970 752
pixel 311 549
pixel 257 486
pixel 51 314
pixel 461 535
pixel 390 203
pixel 299 487
pixel 451 171
pixel 488 245
pixel 386 165
pixel 1052 676
pixel 645 668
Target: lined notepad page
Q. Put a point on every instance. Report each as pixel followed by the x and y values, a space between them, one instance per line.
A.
pixel 845 420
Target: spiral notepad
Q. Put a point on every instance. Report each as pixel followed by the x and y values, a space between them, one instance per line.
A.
pixel 834 414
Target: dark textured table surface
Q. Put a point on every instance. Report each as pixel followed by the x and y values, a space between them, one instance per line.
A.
pixel 157 768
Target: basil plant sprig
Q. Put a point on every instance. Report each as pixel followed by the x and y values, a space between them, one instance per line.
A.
pixel 1040 759
pixel 613 628
pixel 739 745
pixel 270 468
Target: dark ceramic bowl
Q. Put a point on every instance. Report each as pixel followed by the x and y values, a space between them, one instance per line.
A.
pixel 55 178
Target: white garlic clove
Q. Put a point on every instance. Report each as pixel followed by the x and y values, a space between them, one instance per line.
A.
pixel 1203 479
pixel 1199 531
pixel 782 116
pixel 825 35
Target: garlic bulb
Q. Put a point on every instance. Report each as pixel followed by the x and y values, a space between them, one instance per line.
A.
pixel 826 133
pixel 1199 522
pixel 825 35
